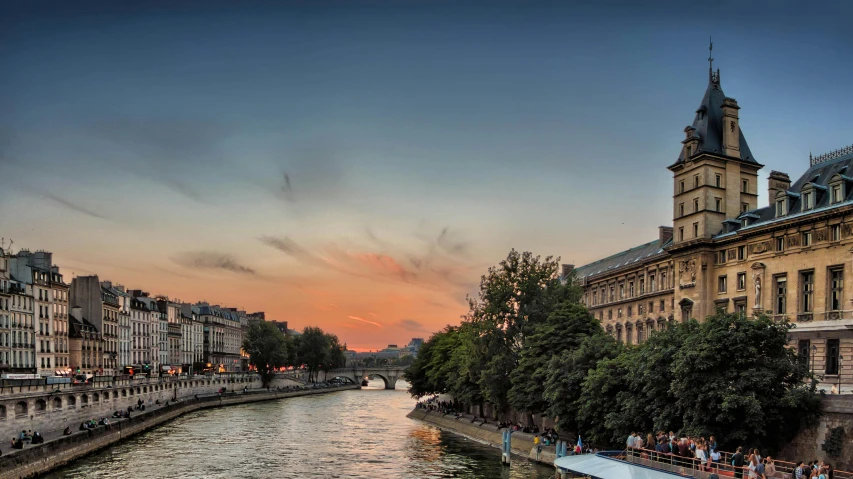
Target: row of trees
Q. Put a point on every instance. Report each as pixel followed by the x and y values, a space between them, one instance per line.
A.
pixel 269 349
pixel 528 344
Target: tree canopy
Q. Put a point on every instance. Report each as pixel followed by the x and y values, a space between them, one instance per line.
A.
pixel 268 349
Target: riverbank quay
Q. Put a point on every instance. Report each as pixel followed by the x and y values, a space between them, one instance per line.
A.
pixel 487 433
pixel 33 405
pixel 42 458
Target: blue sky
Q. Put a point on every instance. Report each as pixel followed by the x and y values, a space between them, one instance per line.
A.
pixel 149 143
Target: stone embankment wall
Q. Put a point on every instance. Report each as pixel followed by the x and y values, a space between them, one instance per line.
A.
pixel 42 458
pixel 54 407
pixel 808 445
pixel 522 443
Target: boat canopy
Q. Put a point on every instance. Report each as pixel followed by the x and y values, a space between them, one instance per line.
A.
pixel 599 466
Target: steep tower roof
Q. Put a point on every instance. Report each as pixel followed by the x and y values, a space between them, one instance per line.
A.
pixel 708 122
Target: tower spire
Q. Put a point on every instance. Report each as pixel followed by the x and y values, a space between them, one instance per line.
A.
pixel 710 57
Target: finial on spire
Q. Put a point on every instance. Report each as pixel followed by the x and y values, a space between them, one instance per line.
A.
pixel 710 54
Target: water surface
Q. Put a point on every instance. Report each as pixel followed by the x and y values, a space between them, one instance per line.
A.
pixel 348 434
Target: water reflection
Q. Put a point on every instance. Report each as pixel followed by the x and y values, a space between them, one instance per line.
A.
pixel 350 434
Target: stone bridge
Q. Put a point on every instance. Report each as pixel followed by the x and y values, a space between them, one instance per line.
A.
pixel 389 374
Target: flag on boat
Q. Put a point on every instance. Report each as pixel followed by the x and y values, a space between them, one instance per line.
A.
pixel 580 443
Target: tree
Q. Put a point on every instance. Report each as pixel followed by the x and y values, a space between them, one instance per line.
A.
pixel 314 350
pixel 737 379
pixel 566 374
pixel 337 357
pixel 564 330
pixel 267 348
pixel 516 295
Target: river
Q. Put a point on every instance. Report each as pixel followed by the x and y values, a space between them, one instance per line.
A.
pixel 348 434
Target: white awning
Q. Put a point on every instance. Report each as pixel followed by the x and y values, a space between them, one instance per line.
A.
pixel 605 468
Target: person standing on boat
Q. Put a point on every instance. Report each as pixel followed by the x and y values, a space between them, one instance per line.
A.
pixel 737 462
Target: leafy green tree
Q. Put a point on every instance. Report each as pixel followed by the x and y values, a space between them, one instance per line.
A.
pixel 337 354
pixel 737 379
pixel 598 416
pixel 566 373
pixel 564 330
pixel 515 296
pixel 267 347
pixel 313 350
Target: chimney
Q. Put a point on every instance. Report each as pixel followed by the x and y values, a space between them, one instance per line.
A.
pixel 567 270
pixel 777 182
pixel 664 234
pixel 731 129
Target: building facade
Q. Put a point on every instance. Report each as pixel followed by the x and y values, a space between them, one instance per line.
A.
pixel 788 259
pixel 222 338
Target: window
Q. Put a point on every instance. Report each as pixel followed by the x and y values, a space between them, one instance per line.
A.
pixel 807 291
pixel 780 244
pixel 629 311
pixel 612 293
pixel 780 208
pixel 744 207
pixel 807 201
pixel 741 253
pixel 631 288
pixel 835 194
pixel 696 181
pixel 721 284
pixel 804 347
pixel 681 209
pixel 836 288
pixel 832 353
pixel 781 294
pixel 663 284
pixel 695 230
pixel 652 283
pixel 718 181
pixel 721 256
pixel 741 281
pixel 621 290
pixel 835 233
pixel 695 205
pixel 642 286
pixel 681 233
pixel 651 306
pixel 681 187
pixel 662 306
pixel 807 238
pixel 740 308
pixel 744 186
pixel 609 314
pixel 718 204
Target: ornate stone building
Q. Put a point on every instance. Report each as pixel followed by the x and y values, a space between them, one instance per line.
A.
pixel 790 258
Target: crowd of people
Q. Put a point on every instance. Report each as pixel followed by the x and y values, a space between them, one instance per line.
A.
pixel 30 436
pixel 699 453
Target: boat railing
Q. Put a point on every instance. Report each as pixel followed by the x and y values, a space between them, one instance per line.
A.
pixel 691 466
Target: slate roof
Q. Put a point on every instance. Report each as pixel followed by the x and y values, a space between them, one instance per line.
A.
pixel 708 123
pixel 619 260
pixel 818 175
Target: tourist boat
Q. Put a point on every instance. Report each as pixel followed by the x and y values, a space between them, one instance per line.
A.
pixel 364 383
pixel 610 465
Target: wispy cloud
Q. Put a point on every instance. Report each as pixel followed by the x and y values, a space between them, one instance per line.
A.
pixel 212 260
pixel 364 321
pixel 73 206
pixel 410 325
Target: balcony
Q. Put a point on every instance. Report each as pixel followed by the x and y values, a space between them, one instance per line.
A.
pixel 804 317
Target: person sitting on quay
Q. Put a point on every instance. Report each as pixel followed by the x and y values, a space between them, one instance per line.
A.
pixel 37 438
pixel 17 443
pixel 67 431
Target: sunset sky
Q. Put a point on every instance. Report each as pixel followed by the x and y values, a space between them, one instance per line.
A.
pixel 358 165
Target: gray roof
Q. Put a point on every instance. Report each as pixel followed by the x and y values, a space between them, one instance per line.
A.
pixel 819 176
pixel 619 260
pixel 708 123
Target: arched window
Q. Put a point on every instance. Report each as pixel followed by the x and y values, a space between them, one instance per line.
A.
pixel 41 406
pixel 84 399
pixel 72 402
pixel 106 395
pixel 2 413
pixel 124 393
pixel 96 397
pixel 57 403
pixel 21 409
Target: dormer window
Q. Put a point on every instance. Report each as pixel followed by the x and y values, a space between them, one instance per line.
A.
pixel 835 194
pixel 781 208
pixel 837 188
pixel 808 200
